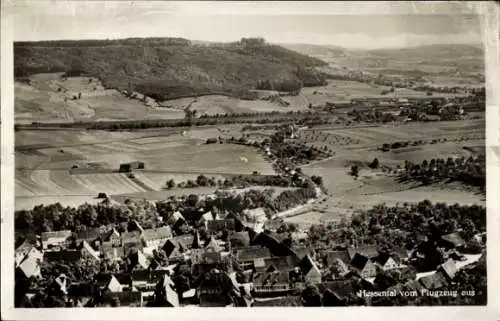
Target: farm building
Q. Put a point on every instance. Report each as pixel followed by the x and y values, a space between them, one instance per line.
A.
pixel 127 167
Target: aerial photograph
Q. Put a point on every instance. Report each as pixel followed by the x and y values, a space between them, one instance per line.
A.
pixel 172 155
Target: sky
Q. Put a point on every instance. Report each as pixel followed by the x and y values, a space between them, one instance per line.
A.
pixel 367 25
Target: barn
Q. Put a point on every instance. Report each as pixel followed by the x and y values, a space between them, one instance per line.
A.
pixel 128 167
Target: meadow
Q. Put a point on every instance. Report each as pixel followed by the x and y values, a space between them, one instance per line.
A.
pixel 361 145
pixel 43 166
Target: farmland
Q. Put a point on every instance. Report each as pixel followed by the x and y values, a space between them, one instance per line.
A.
pixel 44 157
pixel 361 146
pixel 43 166
pixel 51 97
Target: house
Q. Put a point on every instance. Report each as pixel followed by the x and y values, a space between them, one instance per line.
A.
pixel 238 221
pixel 89 252
pixel 164 293
pixel 449 269
pixel 365 266
pixel 57 238
pixel 332 299
pixel 123 298
pixel 189 297
pixel 66 256
pixel 269 282
pixel 215 290
pixel 239 240
pixel 216 226
pixel 386 261
pixel 336 257
pixel 253 228
pixel 81 292
pixel 156 237
pixel 204 262
pixel 256 214
pixel 368 251
pixel 134 226
pixel 451 241
pixel 299 236
pixel 176 219
pixel 338 292
pixel 27 251
pixel 58 287
pixel 248 257
pixel 272 225
pixel 138 260
pixel 131 240
pixel 281 263
pixel 29 267
pixel 351 251
pixel 108 283
pixel 111 237
pixel 112 252
pixel 89 234
pixel 310 271
pixel 177 246
pixel 201 256
pixel 400 255
pixel 301 251
pixel 384 281
pixel 434 281
pixel 480 238
pixel 427 256
pixel 213 245
pixel 272 243
pixel 208 216
pixel 413 285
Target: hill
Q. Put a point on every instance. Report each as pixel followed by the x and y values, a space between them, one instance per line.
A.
pixel 317 50
pixel 437 51
pixel 426 60
pixel 166 68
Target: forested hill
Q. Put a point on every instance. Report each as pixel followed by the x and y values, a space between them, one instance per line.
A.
pixel 168 67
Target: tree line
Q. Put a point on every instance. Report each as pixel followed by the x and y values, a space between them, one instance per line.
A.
pixel 470 171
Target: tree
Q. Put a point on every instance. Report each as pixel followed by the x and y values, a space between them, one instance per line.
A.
pixel 354 171
pixel 170 183
pixel 374 164
pixel 311 296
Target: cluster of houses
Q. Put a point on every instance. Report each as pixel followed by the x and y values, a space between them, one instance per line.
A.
pixel 228 248
pixel 234 263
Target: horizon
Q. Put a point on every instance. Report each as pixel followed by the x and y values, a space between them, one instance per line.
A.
pixel 350 25
pixel 195 41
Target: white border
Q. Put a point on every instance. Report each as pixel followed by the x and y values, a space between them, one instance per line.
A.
pixel 491 29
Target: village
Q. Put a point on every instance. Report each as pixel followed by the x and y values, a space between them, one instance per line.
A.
pixel 212 259
pixel 190 167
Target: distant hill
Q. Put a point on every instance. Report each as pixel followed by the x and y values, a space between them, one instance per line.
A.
pixel 419 60
pixel 317 50
pixel 165 68
pixel 438 51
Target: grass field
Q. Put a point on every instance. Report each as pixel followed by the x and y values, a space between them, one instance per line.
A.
pixel 217 104
pixel 372 187
pixel 50 98
pixel 337 208
pixel 43 160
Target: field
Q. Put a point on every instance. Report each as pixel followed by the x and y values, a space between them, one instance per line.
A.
pixel 355 145
pixel 217 104
pixel 51 98
pixel 43 160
